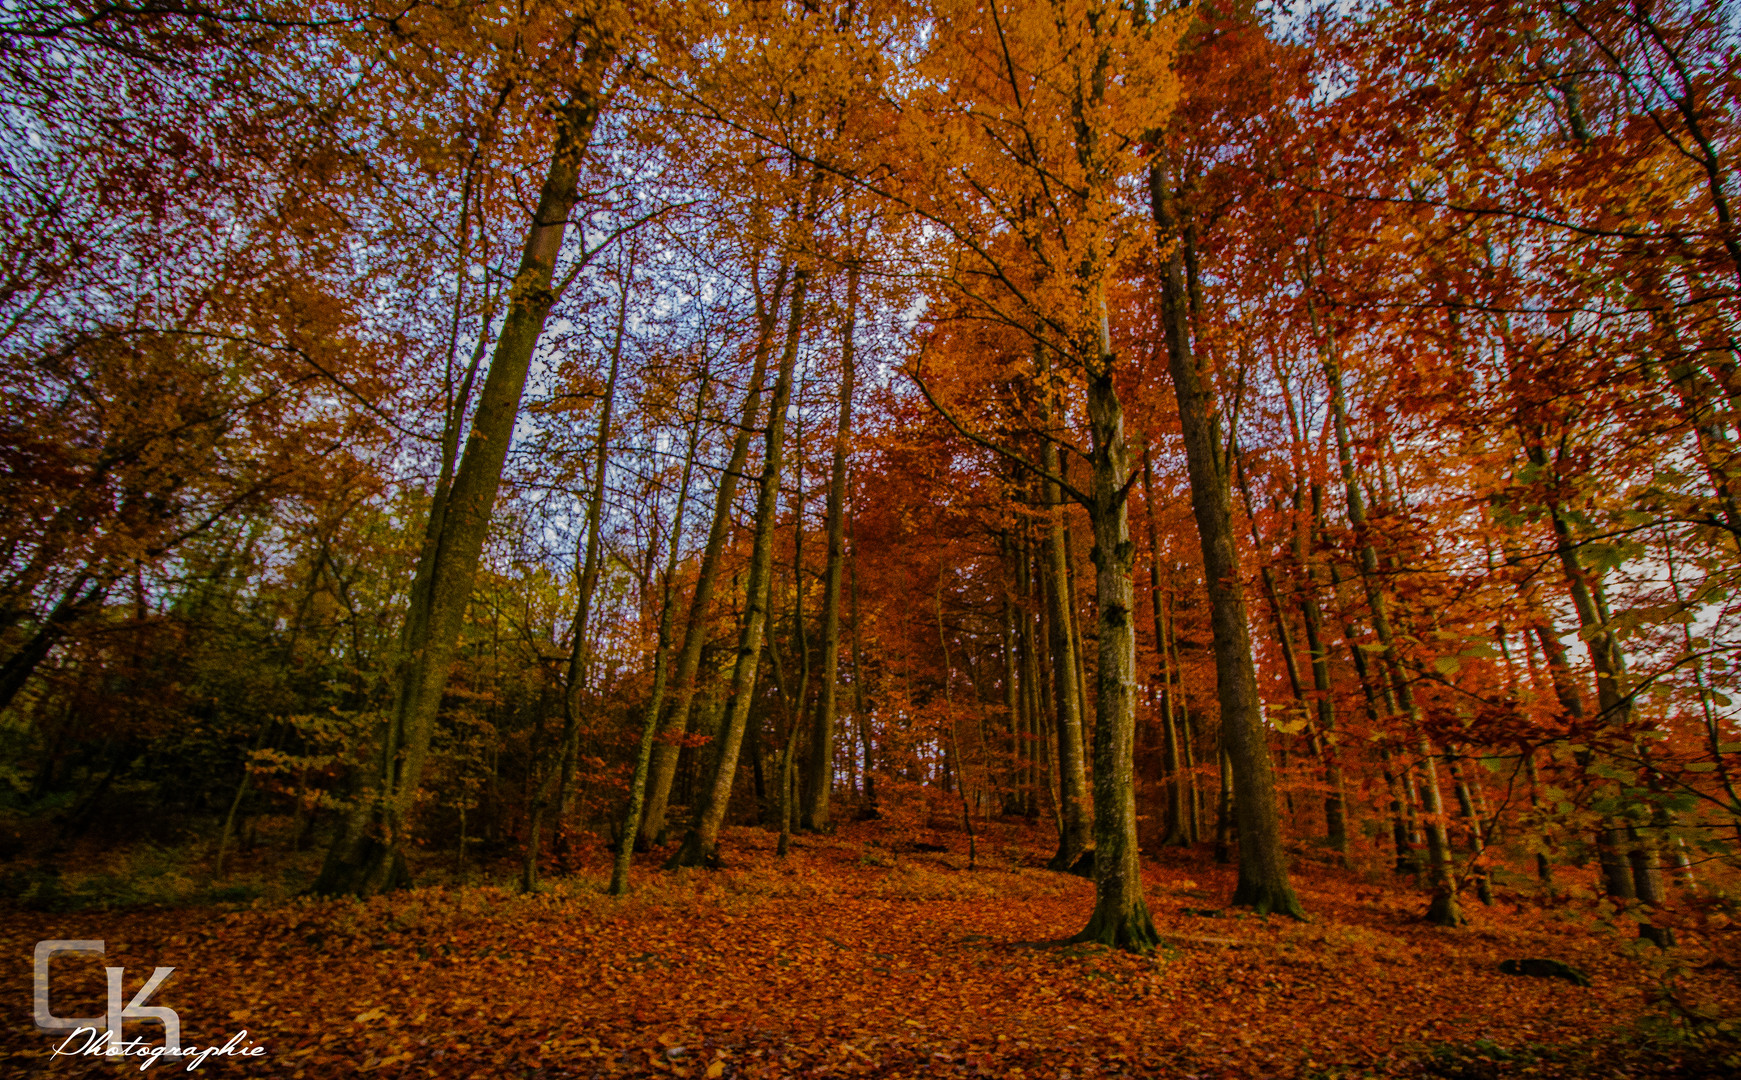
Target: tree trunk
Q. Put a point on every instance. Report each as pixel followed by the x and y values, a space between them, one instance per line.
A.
pixel 1033 702
pixel 1263 866
pixel 701 842
pixel 954 746
pixel 792 707
pixel 73 605
pixel 861 713
pixel 366 855
pixel 579 652
pixel 667 748
pixel 816 809
pixel 1224 809
pixel 1284 632
pixel 1443 909
pixel 1335 798
pixel 1477 843
pixel 1628 856
pixel 1012 689
pixel 1176 834
pixel 661 660
pixel 1187 736
pixel 1121 916
pixel 1075 813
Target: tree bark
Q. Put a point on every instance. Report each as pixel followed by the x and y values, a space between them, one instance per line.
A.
pixel 1176 835
pixel 1121 915
pixel 366 855
pixel 1263 866
pixel 661 661
pixel 1443 909
pixel 579 653
pixel 701 842
pixel 816 809
pixel 1074 811
pixel 667 748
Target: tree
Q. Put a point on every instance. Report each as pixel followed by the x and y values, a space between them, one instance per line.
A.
pixel 365 856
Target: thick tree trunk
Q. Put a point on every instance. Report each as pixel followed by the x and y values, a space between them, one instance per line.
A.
pixel 816 808
pixel 667 748
pixel 1263 866
pixel 366 856
pixel 1121 916
pixel 701 842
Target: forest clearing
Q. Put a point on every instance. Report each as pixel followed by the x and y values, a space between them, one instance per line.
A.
pixel 904 537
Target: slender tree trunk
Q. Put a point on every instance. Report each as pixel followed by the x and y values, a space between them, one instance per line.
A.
pixel 790 720
pixel 1012 689
pixel 1187 731
pixel 701 843
pixel 1544 870
pixel 1078 640
pixel 1284 632
pixel 1263 865
pixel 954 733
pixel 1707 702
pixel 661 659
pixel 1477 844
pixel 1176 833
pixel 1335 798
pixel 1443 909
pixel 667 748
pixel 1224 809
pixel 579 653
pixel 793 707
pixel 816 810
pixel 1075 813
pixel 76 602
pixel 366 855
pixel 229 829
pixel 1628 854
pixel 860 711
pixel 1034 700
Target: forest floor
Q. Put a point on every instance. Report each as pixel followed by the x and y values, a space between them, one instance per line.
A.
pixel 866 954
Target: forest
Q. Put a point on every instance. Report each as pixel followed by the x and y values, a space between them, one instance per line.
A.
pixel 1040 538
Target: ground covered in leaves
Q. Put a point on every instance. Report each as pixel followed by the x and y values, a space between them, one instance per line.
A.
pixel 867 955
